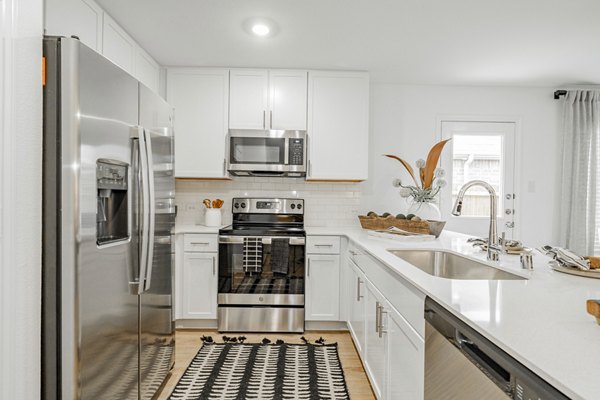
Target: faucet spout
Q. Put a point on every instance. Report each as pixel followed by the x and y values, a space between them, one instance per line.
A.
pixel 492 253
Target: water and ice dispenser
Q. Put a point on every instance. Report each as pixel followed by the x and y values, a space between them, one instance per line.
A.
pixel 112 207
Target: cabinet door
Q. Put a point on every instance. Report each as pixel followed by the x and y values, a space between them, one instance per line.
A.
pixel 200 98
pixel 356 300
pixel 199 285
pixel 322 288
pixel 287 99
pixel 147 70
pixel 375 361
pixel 82 18
pixel 338 125
pixel 248 94
pixel 405 355
pixel 117 45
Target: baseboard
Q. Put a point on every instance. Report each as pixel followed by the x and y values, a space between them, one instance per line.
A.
pixel 196 324
pixel 325 326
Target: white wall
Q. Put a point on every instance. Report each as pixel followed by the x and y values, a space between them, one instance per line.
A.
pixel 20 197
pixel 326 204
pixel 405 121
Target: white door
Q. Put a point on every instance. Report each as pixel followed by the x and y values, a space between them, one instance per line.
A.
pixel 200 97
pixel 287 99
pixel 483 151
pixel 322 288
pixel 356 300
pixel 248 99
pixel 199 298
pixel 405 353
pixel 375 342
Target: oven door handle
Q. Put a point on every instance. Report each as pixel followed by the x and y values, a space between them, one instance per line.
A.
pixel 293 241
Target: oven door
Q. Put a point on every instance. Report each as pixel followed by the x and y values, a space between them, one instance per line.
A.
pixel 262 271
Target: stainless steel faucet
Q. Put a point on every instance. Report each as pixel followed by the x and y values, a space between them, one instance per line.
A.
pixel 493 246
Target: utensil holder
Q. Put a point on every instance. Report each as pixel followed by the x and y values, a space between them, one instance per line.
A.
pixel 212 217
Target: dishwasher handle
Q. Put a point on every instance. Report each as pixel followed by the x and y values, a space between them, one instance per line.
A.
pixel 484 362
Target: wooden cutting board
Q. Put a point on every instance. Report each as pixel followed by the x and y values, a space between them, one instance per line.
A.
pixel 593 307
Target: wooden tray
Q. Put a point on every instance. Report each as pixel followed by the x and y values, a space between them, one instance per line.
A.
pixel 381 223
pixel 574 271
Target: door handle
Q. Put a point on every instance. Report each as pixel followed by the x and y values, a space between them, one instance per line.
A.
pixel 151 209
pixel 308 268
pixel 377 316
pixel 381 312
pixel 271 119
pixel 358 295
pixel 213 263
pixel 264 118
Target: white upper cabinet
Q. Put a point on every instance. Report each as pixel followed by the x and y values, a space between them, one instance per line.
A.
pixel 200 97
pixel 287 99
pixel 81 18
pixel 249 90
pixel 262 99
pixel 118 46
pixel 147 70
pixel 338 125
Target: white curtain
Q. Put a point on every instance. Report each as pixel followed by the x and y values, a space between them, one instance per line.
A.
pixel 580 206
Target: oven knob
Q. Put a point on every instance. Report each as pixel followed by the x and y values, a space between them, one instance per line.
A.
pixel 237 205
pixel 261 298
pixel 299 206
pixel 243 205
pixel 293 206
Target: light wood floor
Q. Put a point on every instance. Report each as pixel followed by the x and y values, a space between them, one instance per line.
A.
pixel 188 343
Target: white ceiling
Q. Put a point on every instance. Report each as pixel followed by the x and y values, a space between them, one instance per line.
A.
pixel 455 42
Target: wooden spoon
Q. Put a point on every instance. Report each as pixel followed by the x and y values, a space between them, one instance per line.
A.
pixel 206 203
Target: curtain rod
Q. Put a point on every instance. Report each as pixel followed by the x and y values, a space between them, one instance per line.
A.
pixel 559 93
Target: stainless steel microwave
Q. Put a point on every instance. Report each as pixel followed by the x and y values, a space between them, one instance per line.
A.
pixel 266 153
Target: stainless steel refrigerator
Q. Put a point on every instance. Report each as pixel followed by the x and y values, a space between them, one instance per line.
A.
pixel 109 213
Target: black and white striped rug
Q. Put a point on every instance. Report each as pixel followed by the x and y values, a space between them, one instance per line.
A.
pixel 264 371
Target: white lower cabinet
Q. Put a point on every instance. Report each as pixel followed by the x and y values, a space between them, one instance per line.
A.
pixel 322 296
pixel 356 302
pixel 391 349
pixel 375 360
pixel 199 285
pixel 405 363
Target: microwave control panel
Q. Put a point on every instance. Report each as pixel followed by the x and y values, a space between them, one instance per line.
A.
pixel 296 152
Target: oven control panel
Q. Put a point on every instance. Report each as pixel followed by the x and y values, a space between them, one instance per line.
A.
pixel 267 206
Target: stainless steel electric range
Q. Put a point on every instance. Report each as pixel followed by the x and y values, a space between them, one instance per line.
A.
pixel 262 258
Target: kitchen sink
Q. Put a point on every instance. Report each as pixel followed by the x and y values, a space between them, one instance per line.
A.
pixel 448 265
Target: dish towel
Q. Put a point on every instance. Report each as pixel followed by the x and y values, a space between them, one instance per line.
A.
pixel 252 260
pixel 280 252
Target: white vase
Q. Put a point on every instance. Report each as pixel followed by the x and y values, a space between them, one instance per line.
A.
pixel 425 210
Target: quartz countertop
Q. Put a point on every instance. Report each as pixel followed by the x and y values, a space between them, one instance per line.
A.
pixel 541 321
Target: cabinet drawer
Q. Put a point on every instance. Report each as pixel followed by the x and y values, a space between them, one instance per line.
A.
pixel 323 244
pixel 200 242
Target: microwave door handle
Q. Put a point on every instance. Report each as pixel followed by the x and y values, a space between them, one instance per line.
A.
pixel 286 156
pixel 151 209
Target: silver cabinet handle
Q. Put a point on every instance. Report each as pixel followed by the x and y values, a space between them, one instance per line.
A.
pixel 358 295
pixel 377 316
pixel 354 253
pixel 264 118
pixel 197 243
pixel 224 166
pixel 381 330
pixel 308 268
pixel 323 245
pixel 271 119
pixel 213 262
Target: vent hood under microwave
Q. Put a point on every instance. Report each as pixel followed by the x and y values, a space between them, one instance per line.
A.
pixel 266 153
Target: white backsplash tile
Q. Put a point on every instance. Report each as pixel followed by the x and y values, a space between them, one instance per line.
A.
pixel 326 204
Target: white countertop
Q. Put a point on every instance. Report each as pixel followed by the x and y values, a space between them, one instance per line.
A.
pixel 541 321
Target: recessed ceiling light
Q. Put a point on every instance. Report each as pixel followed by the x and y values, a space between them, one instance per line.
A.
pixel 261 29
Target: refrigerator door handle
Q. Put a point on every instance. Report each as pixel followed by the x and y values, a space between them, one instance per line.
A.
pixel 145 220
pixel 150 209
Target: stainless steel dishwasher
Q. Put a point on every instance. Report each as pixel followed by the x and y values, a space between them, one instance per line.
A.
pixel 461 364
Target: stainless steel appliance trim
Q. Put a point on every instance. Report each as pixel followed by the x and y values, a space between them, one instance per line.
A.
pixel 286 155
pixel 251 206
pixel 260 319
pixel 70 222
pixel 293 241
pixel 162 239
pixel 260 299
pixel 141 142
